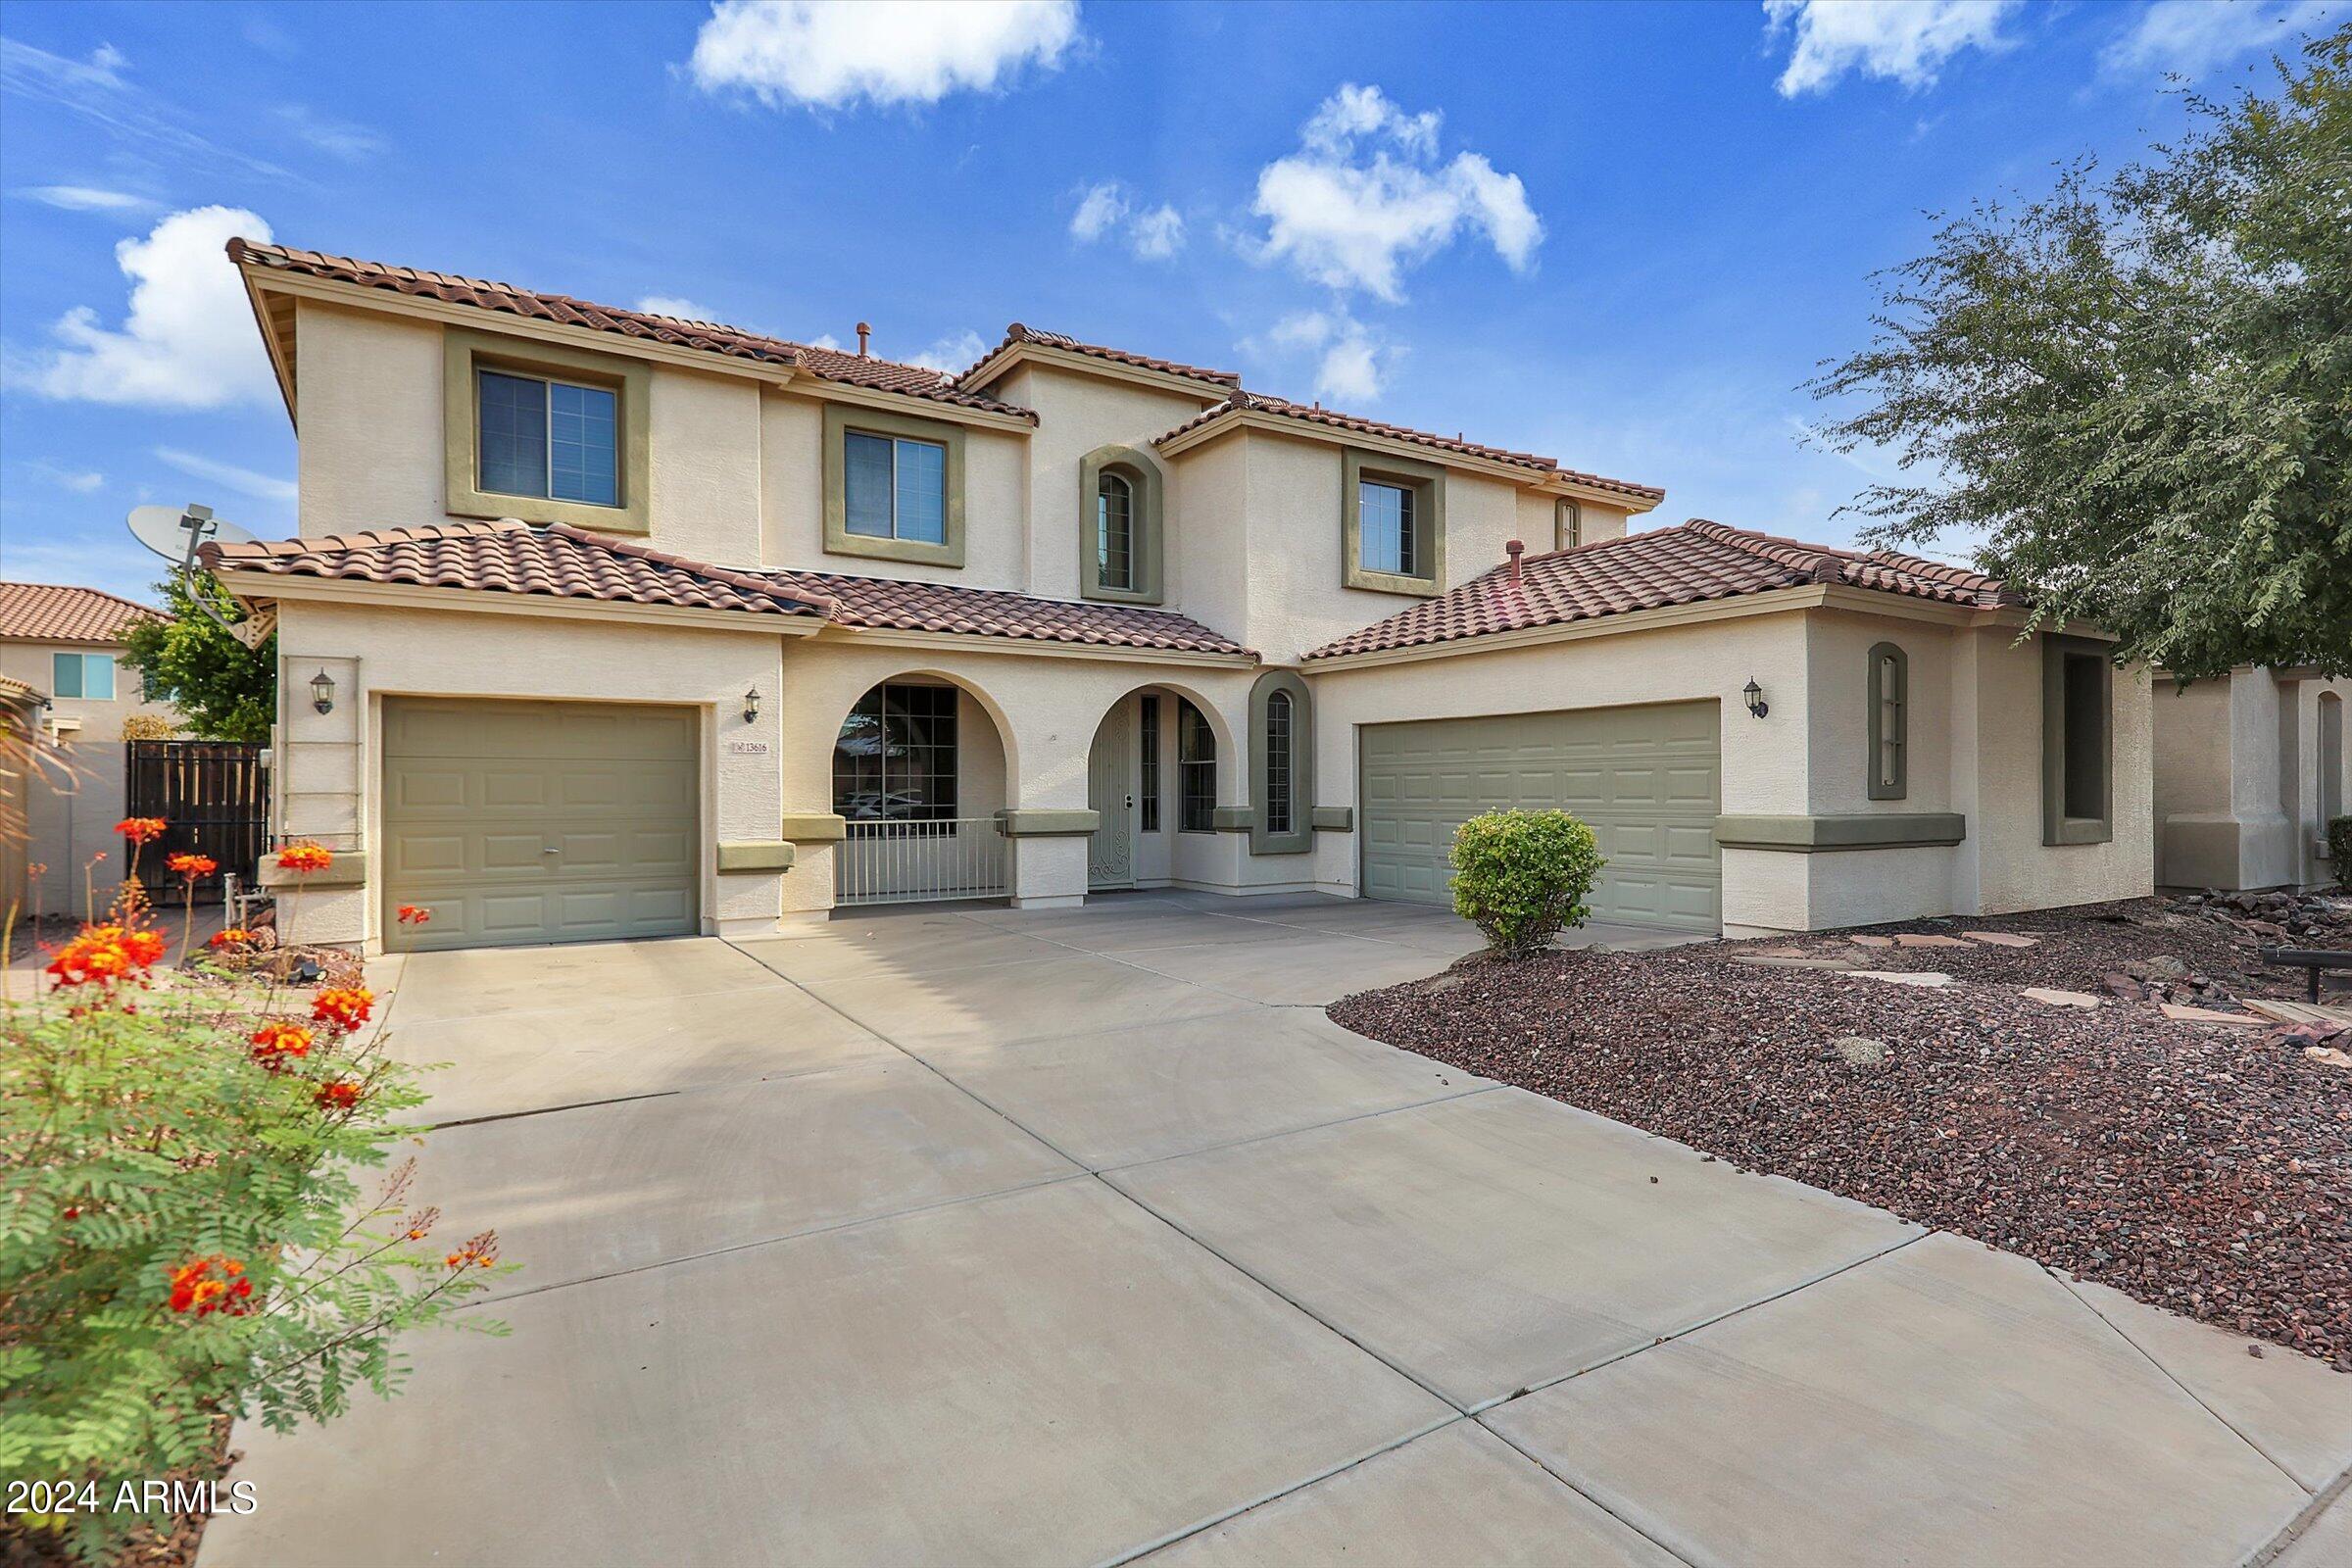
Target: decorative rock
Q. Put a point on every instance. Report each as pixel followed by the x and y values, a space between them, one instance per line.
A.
pixel 1872 941
pixel 1768 961
pixel 1918 939
pixel 2060 999
pixel 2166 964
pixel 2180 1015
pixel 1907 977
pixel 1860 1051
pixel 2004 939
pixel 2328 1056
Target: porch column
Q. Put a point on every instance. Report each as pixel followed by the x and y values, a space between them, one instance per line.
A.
pixel 1049 855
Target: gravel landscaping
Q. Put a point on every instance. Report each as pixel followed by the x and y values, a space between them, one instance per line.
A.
pixel 2201 1167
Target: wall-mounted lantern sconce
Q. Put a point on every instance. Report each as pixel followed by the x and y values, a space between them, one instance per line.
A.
pixel 322 692
pixel 1756 703
pixel 750 705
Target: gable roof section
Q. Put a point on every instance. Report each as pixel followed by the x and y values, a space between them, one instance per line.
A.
pixel 54 613
pixel 826 365
pixel 557 562
pixel 1016 335
pixel 1697 560
pixel 903 606
pixel 1242 402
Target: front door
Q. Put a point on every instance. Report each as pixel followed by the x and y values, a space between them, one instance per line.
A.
pixel 1110 850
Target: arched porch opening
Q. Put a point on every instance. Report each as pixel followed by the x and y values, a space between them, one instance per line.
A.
pixel 1156 776
pixel 922 767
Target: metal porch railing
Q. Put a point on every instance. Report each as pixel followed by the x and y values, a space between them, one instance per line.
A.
pixel 921 861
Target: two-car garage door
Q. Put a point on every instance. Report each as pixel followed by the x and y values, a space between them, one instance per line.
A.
pixel 519 822
pixel 1647 779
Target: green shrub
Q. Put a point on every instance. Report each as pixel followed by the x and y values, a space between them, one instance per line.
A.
pixel 1521 876
pixel 2340 849
pixel 182 1233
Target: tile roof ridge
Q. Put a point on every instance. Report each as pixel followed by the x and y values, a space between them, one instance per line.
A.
pixel 729 575
pixel 1823 563
pixel 1019 332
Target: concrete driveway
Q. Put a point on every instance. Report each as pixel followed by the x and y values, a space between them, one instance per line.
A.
pixel 1083 1237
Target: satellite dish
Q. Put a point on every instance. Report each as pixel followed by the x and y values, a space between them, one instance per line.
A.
pixel 174 533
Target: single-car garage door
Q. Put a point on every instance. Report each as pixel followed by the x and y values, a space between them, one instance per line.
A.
pixel 1647 779
pixel 519 822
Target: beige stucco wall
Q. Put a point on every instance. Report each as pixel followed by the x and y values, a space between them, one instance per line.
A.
pixel 471 654
pixel 2237 796
pixel 70 819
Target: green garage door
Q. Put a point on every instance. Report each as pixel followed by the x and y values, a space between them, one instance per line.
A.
pixel 523 822
pixel 1647 779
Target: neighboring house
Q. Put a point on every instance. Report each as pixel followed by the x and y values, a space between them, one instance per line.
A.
pixel 21 741
pixel 65 643
pixel 2250 768
pixel 604 624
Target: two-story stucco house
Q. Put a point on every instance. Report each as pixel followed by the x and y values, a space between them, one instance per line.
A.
pixel 63 646
pixel 605 623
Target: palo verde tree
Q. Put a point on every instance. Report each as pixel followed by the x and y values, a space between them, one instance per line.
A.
pixel 2139 388
pixel 226 690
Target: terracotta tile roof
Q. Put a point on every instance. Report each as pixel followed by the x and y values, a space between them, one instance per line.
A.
pixel 883 602
pixel 53 613
pixel 828 365
pixel 510 557
pixel 1696 561
pixel 1332 419
pixel 1016 333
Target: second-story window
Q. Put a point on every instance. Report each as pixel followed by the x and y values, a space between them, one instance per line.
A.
pixel 895 488
pixel 1114 532
pixel 89 676
pixel 553 440
pixel 1387 528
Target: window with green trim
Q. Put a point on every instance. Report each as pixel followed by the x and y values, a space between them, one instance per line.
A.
pixel 894 487
pixel 1195 770
pixel 1387 539
pixel 1890 722
pixel 1148 781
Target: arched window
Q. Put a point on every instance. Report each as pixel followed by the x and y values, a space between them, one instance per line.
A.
pixel 1282 779
pixel 1114 532
pixel 1890 722
pixel 1278 761
pixel 1195 770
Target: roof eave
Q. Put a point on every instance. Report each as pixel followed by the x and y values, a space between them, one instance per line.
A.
pixel 1006 357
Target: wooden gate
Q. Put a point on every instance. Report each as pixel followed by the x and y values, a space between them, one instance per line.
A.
pixel 213 799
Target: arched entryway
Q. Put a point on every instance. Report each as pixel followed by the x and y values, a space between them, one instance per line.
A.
pixel 1153 777
pixel 919 775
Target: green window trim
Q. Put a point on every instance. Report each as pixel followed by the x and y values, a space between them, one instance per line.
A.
pixel 1298 727
pixel 2078 741
pixel 1889 689
pixel 465 353
pixel 1142 473
pixel 1426 481
pixel 840 420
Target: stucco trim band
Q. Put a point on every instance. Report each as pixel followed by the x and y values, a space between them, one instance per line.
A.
pixel 981 642
pixel 1868 830
pixel 814 827
pixel 755 854
pixel 1232 819
pixel 251 588
pixel 1332 820
pixel 1029 823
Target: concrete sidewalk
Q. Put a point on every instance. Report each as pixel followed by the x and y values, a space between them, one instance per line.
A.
pixel 1083 1237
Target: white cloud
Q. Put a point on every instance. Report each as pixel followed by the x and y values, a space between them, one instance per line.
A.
pixel 1897 40
pixel 1352 364
pixel 188 339
pixel 245 481
pixel 957 351
pixel 684 310
pixel 1157 234
pixel 827 340
pixel 1364 199
pixel 1107 206
pixel 2190 37
pixel 338 137
pixel 1101 207
pixel 81 481
pixel 830 55
pixel 98 88
pixel 85 199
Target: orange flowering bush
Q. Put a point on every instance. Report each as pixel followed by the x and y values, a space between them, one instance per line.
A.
pixel 414 914
pixel 192 866
pixel 141 829
pixel 182 1230
pixel 234 936
pixel 304 859
pixel 343 1008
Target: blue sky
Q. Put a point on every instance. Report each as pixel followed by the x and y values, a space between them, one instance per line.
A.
pixel 1620 234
